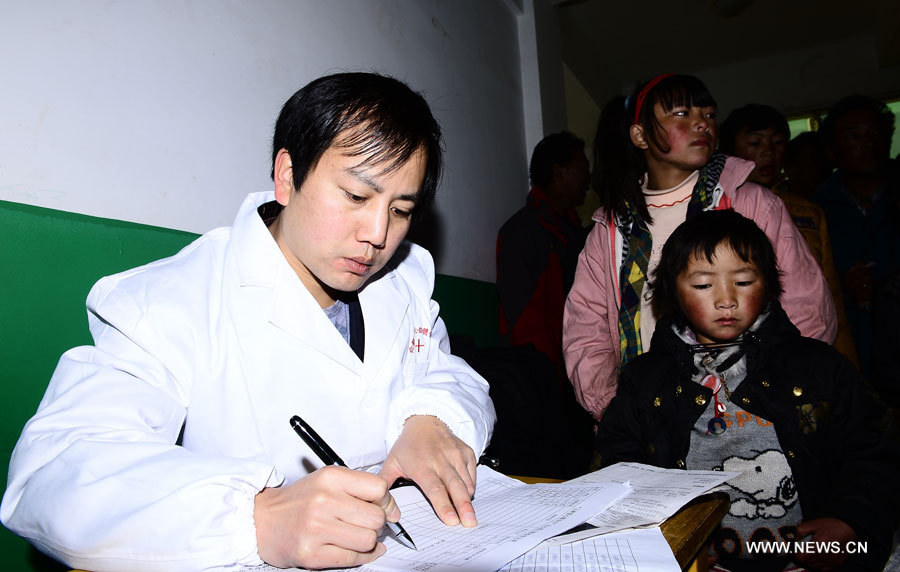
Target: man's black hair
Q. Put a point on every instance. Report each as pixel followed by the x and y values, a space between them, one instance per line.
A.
pixel 751 117
pixel 855 103
pixel 556 149
pixel 700 236
pixel 375 117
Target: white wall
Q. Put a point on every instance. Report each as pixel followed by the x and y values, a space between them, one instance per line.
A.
pixel 540 52
pixel 161 112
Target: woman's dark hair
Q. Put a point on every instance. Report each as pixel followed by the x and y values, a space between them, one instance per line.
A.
pixel 700 236
pixel 555 149
pixel 375 117
pixel 751 117
pixel 618 164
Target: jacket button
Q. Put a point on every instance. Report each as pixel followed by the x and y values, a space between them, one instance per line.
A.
pixel 765 383
pixel 677 390
pixel 745 400
pixel 657 402
pixel 679 463
pixel 700 400
pixel 791 454
pixel 798 391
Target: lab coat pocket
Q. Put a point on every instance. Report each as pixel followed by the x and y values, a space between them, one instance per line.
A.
pixel 419 347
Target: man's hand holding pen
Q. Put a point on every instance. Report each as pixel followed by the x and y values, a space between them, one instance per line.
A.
pixel 330 518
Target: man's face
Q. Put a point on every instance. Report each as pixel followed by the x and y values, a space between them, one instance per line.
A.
pixel 346 221
pixel 861 146
pixel 575 178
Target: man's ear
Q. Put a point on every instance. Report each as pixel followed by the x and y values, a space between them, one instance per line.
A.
pixel 637 136
pixel 284 177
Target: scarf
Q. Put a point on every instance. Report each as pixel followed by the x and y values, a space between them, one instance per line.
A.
pixel 706 195
pixel 727 363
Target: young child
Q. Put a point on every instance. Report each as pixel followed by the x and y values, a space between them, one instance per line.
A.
pixel 656 167
pixel 730 384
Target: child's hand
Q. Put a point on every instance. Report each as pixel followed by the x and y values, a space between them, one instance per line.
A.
pixel 824 530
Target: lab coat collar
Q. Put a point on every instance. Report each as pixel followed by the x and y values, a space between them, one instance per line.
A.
pixel 293 309
pixel 384 308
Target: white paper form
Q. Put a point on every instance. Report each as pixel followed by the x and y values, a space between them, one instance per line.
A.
pixel 656 495
pixel 643 550
pixel 512 518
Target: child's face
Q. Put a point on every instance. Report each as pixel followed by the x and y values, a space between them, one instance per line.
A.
pixel 691 134
pixel 766 148
pixel 721 299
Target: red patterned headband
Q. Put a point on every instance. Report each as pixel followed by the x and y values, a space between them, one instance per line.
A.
pixel 642 95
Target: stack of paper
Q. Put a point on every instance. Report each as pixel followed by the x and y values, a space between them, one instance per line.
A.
pixel 644 550
pixel 514 519
pixel 656 495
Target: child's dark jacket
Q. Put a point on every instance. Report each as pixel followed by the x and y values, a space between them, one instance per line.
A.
pixel 843 464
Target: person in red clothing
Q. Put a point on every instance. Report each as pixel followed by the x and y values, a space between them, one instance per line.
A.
pixel 538 247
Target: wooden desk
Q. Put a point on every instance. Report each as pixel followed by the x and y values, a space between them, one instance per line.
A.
pixel 687 530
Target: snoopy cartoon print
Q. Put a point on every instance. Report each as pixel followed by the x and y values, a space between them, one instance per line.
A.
pixel 765 484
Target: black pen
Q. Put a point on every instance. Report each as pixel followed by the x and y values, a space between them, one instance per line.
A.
pixel 329 457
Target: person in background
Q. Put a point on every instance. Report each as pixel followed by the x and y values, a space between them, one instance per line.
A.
pixel 659 169
pixel 167 445
pixel 806 166
pixel 730 384
pixel 538 247
pixel 759 133
pixel 860 204
pixel 537 251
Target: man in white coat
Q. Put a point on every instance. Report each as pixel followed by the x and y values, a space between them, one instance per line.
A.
pixel 167 444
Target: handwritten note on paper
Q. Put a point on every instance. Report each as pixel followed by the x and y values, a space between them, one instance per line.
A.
pixel 656 495
pixel 644 550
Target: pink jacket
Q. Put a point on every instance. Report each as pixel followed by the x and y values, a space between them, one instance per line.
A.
pixel 590 324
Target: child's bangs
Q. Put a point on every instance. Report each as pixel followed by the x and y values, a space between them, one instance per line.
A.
pixel 682 91
pixel 707 245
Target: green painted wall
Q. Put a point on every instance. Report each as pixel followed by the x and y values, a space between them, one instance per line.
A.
pixel 49 261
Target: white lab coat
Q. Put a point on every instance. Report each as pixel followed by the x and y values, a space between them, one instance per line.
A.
pixel 225 339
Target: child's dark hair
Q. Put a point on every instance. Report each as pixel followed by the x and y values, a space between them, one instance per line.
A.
pixel 618 164
pixel 700 236
pixel 751 117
